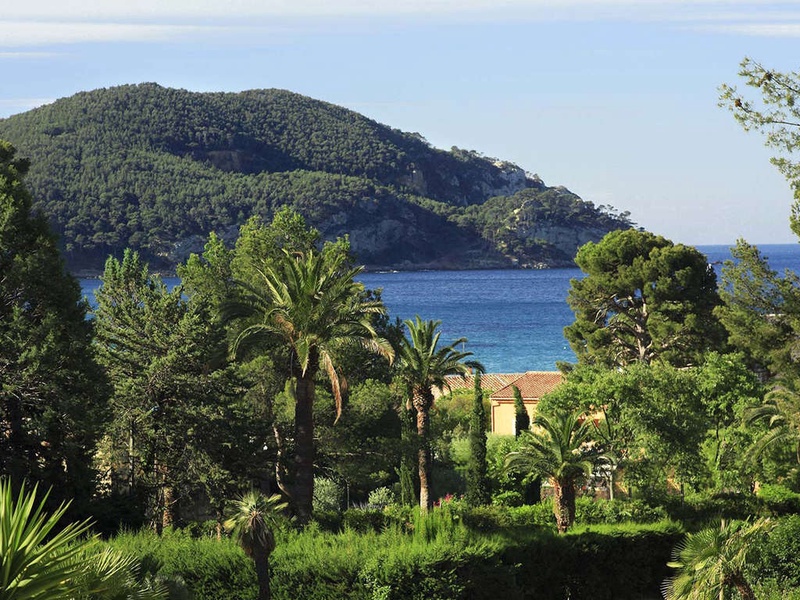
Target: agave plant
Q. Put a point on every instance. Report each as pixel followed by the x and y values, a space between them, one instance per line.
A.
pixel 39 563
pixel 35 563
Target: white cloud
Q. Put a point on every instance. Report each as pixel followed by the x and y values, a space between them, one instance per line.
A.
pixel 45 22
pixel 754 29
pixel 100 10
pixel 36 33
pixel 26 55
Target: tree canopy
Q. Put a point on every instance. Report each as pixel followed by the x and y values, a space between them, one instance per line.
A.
pixel 775 112
pixel 51 390
pixel 643 299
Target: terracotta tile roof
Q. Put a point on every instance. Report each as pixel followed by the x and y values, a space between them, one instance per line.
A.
pixel 489 381
pixel 532 385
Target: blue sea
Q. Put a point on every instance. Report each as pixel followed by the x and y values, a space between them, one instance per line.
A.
pixel 513 319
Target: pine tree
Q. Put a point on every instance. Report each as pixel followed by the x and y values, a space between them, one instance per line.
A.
pixel 176 421
pixel 477 480
pixel 51 391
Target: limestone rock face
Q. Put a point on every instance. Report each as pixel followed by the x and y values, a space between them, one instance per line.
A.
pixel 566 240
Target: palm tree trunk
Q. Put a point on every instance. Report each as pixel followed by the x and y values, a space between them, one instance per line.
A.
pixel 744 589
pixel 564 503
pixel 304 441
pixel 424 454
pixel 261 560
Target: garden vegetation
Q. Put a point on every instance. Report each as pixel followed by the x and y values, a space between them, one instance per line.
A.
pixel 265 430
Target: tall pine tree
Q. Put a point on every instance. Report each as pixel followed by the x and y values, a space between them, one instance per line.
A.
pixel 51 391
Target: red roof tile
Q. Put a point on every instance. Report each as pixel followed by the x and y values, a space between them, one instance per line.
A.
pixel 532 385
pixel 489 381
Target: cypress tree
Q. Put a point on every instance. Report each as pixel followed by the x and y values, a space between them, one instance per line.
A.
pixel 408 495
pixel 477 481
pixel 522 420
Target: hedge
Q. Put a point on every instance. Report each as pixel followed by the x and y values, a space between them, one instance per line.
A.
pixel 435 558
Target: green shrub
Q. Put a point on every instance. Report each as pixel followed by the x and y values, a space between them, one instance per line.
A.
pixel 595 511
pixel 363 520
pixel 779 500
pixel 775 590
pixel 381 498
pixel 777 556
pixel 211 569
pixel 328 495
pixel 699 510
pixel 329 520
pixel 508 498
pixel 430 556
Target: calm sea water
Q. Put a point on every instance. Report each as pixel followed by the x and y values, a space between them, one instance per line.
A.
pixel 513 320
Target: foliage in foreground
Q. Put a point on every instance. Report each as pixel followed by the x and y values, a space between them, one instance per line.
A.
pixel 713 560
pixel 433 556
pixel 40 562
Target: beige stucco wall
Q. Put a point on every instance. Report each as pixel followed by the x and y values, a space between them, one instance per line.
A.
pixel 503 416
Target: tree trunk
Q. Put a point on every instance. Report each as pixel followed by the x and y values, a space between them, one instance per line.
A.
pixel 304 441
pixel 261 560
pixel 424 452
pixel 744 589
pixel 280 464
pixel 564 503
pixel 168 516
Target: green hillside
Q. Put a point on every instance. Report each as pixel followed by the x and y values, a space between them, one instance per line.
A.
pixel 157 169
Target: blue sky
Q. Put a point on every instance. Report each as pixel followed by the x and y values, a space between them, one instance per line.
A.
pixel 614 99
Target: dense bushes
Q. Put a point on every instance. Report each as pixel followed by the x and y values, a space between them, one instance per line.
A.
pixel 433 557
pixel 777 557
pixel 211 569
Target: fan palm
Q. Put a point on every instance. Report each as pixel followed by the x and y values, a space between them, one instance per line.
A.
pixel 712 561
pixel 423 366
pixel 311 302
pixel 559 447
pixel 252 522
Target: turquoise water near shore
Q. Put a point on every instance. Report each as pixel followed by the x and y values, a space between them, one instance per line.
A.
pixel 513 319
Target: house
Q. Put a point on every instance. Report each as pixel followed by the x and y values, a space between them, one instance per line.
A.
pixel 532 386
pixel 489 381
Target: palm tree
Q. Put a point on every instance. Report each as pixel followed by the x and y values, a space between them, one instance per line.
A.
pixel 424 366
pixel 781 411
pixel 311 302
pixel 252 522
pixel 559 447
pixel 712 561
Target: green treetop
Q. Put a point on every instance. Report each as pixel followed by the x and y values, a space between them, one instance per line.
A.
pixel 643 299
pixel 51 391
pixel 774 112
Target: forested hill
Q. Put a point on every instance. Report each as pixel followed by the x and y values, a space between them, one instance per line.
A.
pixel 157 169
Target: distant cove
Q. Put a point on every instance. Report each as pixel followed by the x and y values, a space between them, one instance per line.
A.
pixel 513 319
